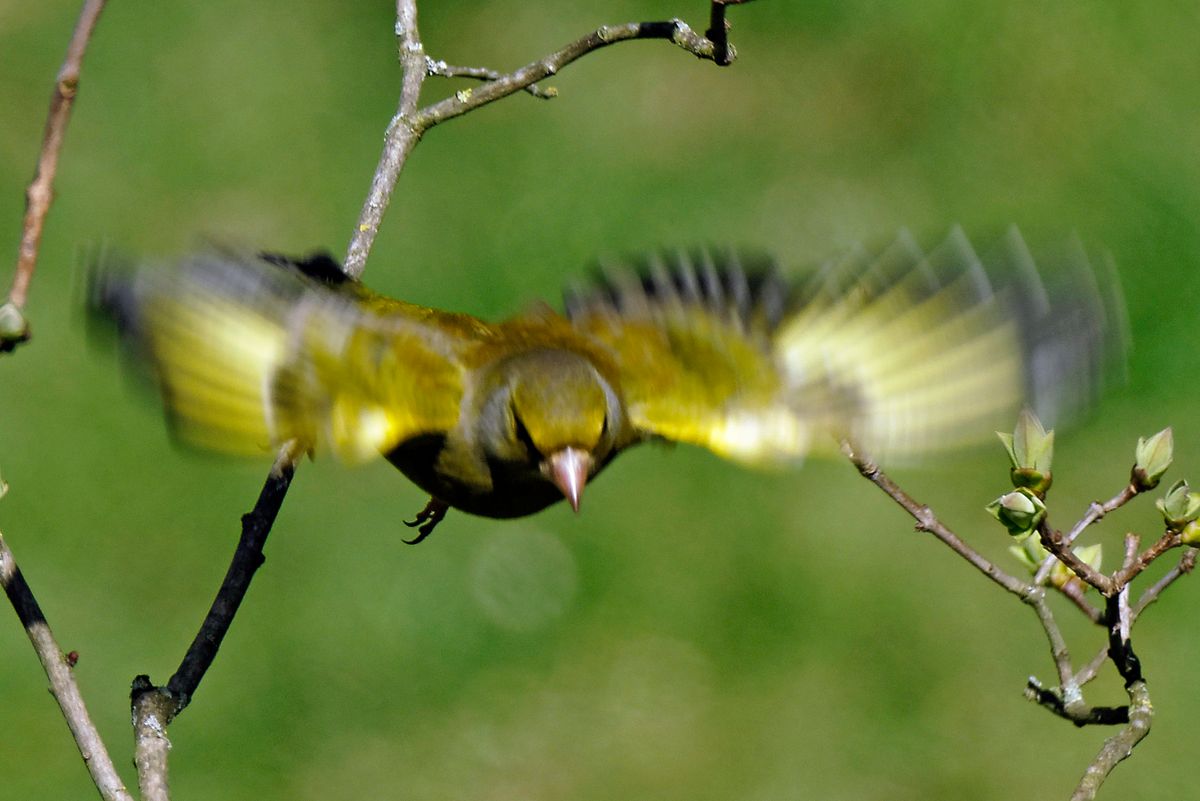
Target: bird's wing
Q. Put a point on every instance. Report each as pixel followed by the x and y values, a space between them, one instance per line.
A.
pixel 901 351
pixel 250 353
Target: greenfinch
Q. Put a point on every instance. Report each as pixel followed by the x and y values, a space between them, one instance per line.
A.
pixel 901 351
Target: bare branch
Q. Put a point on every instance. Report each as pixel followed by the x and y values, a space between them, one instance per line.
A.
pixel 402 136
pixel 1075 592
pixel 444 70
pixel 247 558
pixel 1139 562
pixel 409 124
pixel 1036 598
pixel 1187 563
pixel 927 521
pixel 40 193
pixel 62 679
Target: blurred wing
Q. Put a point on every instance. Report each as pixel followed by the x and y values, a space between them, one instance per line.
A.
pixel 249 354
pixel 903 352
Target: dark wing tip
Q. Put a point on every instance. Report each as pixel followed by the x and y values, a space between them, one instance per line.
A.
pixel 319 265
pixel 1071 315
pixel 743 287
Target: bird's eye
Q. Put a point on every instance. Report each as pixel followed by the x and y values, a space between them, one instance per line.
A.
pixel 523 434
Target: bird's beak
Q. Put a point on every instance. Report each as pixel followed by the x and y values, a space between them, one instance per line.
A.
pixel 569 469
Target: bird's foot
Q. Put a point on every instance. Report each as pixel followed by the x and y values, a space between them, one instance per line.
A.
pixel 427 519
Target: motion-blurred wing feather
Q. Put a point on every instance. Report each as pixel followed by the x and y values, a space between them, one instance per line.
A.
pixel 250 354
pixel 904 352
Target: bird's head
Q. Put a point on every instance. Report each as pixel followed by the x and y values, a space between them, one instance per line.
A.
pixel 554 412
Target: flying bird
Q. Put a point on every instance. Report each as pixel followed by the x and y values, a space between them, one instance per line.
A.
pixel 901 351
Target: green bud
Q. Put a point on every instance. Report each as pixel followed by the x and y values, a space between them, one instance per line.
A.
pixel 1019 511
pixel 1152 458
pixel 1031 450
pixel 13 326
pixel 1179 506
pixel 1190 535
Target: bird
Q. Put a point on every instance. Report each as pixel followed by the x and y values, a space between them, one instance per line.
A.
pixel 905 352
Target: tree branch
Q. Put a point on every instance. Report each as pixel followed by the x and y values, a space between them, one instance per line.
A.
pixel 410 124
pixel 1187 563
pixel 154 708
pixel 928 522
pixel 444 70
pixel 1093 515
pixel 62 679
pixel 1120 745
pixel 14 329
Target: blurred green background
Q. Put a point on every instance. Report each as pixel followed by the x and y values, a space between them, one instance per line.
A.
pixel 699 632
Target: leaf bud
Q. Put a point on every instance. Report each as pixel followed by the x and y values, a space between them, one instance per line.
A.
pixel 1019 511
pixel 1179 506
pixel 1031 450
pixel 1153 456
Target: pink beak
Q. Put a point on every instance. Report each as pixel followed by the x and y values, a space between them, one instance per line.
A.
pixel 569 469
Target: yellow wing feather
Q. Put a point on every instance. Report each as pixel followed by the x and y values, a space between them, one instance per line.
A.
pixel 904 352
pixel 249 355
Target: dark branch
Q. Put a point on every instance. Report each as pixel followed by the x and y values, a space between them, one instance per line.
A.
pixel 247 558
pixel 1087 716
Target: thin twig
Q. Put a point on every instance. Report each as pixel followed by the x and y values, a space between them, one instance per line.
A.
pixel 62 679
pixel 927 521
pixel 1133 567
pixel 1054 542
pixel 40 193
pixel 410 124
pixel 247 558
pixel 154 708
pixel 1094 513
pixel 1092 668
pixel 1036 598
pixel 441 69
pixel 402 136
pixel 1187 563
pixel 1075 592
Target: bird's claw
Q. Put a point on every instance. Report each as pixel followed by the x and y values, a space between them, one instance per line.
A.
pixel 427 519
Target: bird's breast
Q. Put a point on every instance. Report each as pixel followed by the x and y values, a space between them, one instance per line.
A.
pixel 511 489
